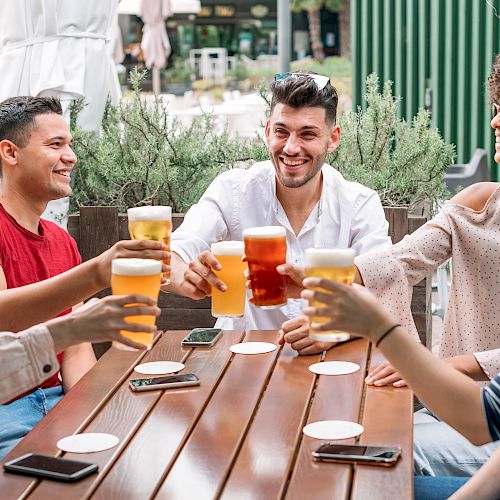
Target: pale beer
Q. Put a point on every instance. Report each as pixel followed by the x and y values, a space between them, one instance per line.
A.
pixel 336 265
pixel 151 223
pixel 265 248
pixel 136 276
pixel 230 303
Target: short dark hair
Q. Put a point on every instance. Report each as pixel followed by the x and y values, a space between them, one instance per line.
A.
pixel 303 92
pixel 493 82
pixel 17 116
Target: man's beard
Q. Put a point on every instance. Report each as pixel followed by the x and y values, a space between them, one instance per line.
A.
pixel 299 181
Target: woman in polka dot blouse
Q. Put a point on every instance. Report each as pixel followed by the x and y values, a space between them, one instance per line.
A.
pixel 467 229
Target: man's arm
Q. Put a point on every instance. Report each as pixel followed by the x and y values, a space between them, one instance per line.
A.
pixel 77 361
pixel 196 278
pixel 28 305
pixel 369 227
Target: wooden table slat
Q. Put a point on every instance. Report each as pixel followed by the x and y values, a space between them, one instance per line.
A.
pixel 96 387
pixel 335 398
pixel 386 428
pixel 122 415
pixel 204 462
pixel 140 468
pixel 269 447
pixel 237 435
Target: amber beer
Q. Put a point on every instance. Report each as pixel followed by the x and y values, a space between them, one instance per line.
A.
pixel 231 303
pixel 151 223
pixel 333 264
pixel 265 248
pixel 136 276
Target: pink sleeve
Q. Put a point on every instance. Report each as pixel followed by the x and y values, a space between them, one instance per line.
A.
pixel 391 274
pixel 489 361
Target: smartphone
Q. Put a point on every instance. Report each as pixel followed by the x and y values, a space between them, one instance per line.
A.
pixel 42 466
pixel 164 382
pixel 375 455
pixel 202 337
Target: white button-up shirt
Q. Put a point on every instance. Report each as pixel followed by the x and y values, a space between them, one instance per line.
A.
pixel 348 215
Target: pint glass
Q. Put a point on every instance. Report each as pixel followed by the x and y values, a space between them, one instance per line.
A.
pixel 151 223
pixel 265 248
pixel 131 276
pixel 333 264
pixel 230 303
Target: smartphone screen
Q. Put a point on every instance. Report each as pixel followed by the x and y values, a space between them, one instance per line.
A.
pixel 164 381
pixel 202 336
pixel 382 455
pixel 50 467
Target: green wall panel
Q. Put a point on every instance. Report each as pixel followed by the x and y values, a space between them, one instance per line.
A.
pixel 435 51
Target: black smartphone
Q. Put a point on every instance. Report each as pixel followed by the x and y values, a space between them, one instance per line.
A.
pixel 375 455
pixel 202 337
pixel 164 382
pixel 45 467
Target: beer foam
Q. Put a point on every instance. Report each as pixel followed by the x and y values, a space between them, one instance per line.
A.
pixel 329 257
pixel 228 248
pixel 136 267
pixel 149 212
pixel 264 232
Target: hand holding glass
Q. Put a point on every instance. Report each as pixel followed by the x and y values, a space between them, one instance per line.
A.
pixel 136 276
pixel 265 249
pixel 231 303
pixel 334 264
pixel 151 223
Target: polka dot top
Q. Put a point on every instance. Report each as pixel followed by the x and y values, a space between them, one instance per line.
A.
pixel 472 239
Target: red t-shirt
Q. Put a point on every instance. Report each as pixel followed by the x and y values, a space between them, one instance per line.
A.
pixel 26 258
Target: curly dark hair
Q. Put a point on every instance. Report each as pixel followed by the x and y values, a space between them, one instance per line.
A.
pixel 303 92
pixel 493 82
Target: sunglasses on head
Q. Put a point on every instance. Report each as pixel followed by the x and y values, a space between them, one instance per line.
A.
pixel 320 80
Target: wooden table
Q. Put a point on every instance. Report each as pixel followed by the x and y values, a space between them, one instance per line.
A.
pixel 236 436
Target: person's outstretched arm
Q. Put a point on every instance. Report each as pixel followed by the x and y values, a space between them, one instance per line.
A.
pixel 451 395
pixel 29 305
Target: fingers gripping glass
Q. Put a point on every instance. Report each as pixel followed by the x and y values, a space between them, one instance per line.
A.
pixel 320 80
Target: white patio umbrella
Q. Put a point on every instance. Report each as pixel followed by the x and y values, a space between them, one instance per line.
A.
pixel 61 48
pixel 155 44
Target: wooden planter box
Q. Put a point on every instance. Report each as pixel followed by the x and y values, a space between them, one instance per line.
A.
pixel 96 229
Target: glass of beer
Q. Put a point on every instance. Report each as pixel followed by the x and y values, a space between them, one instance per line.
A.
pixel 265 248
pixel 131 276
pixel 151 223
pixel 333 264
pixel 231 303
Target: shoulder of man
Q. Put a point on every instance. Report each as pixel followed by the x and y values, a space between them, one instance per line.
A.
pixel 351 190
pixel 257 172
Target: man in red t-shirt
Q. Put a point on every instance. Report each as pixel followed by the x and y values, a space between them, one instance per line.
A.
pixel 36 161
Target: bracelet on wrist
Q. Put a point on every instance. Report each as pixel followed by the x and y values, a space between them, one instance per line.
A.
pixel 382 337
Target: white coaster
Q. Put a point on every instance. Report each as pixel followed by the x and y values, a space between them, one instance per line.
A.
pixel 334 368
pixel 333 429
pixel 159 367
pixel 88 442
pixel 253 347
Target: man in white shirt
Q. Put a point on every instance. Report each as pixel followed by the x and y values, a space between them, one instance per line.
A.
pixel 294 189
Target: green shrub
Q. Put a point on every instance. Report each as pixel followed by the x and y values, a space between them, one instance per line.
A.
pixel 404 162
pixel 144 156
